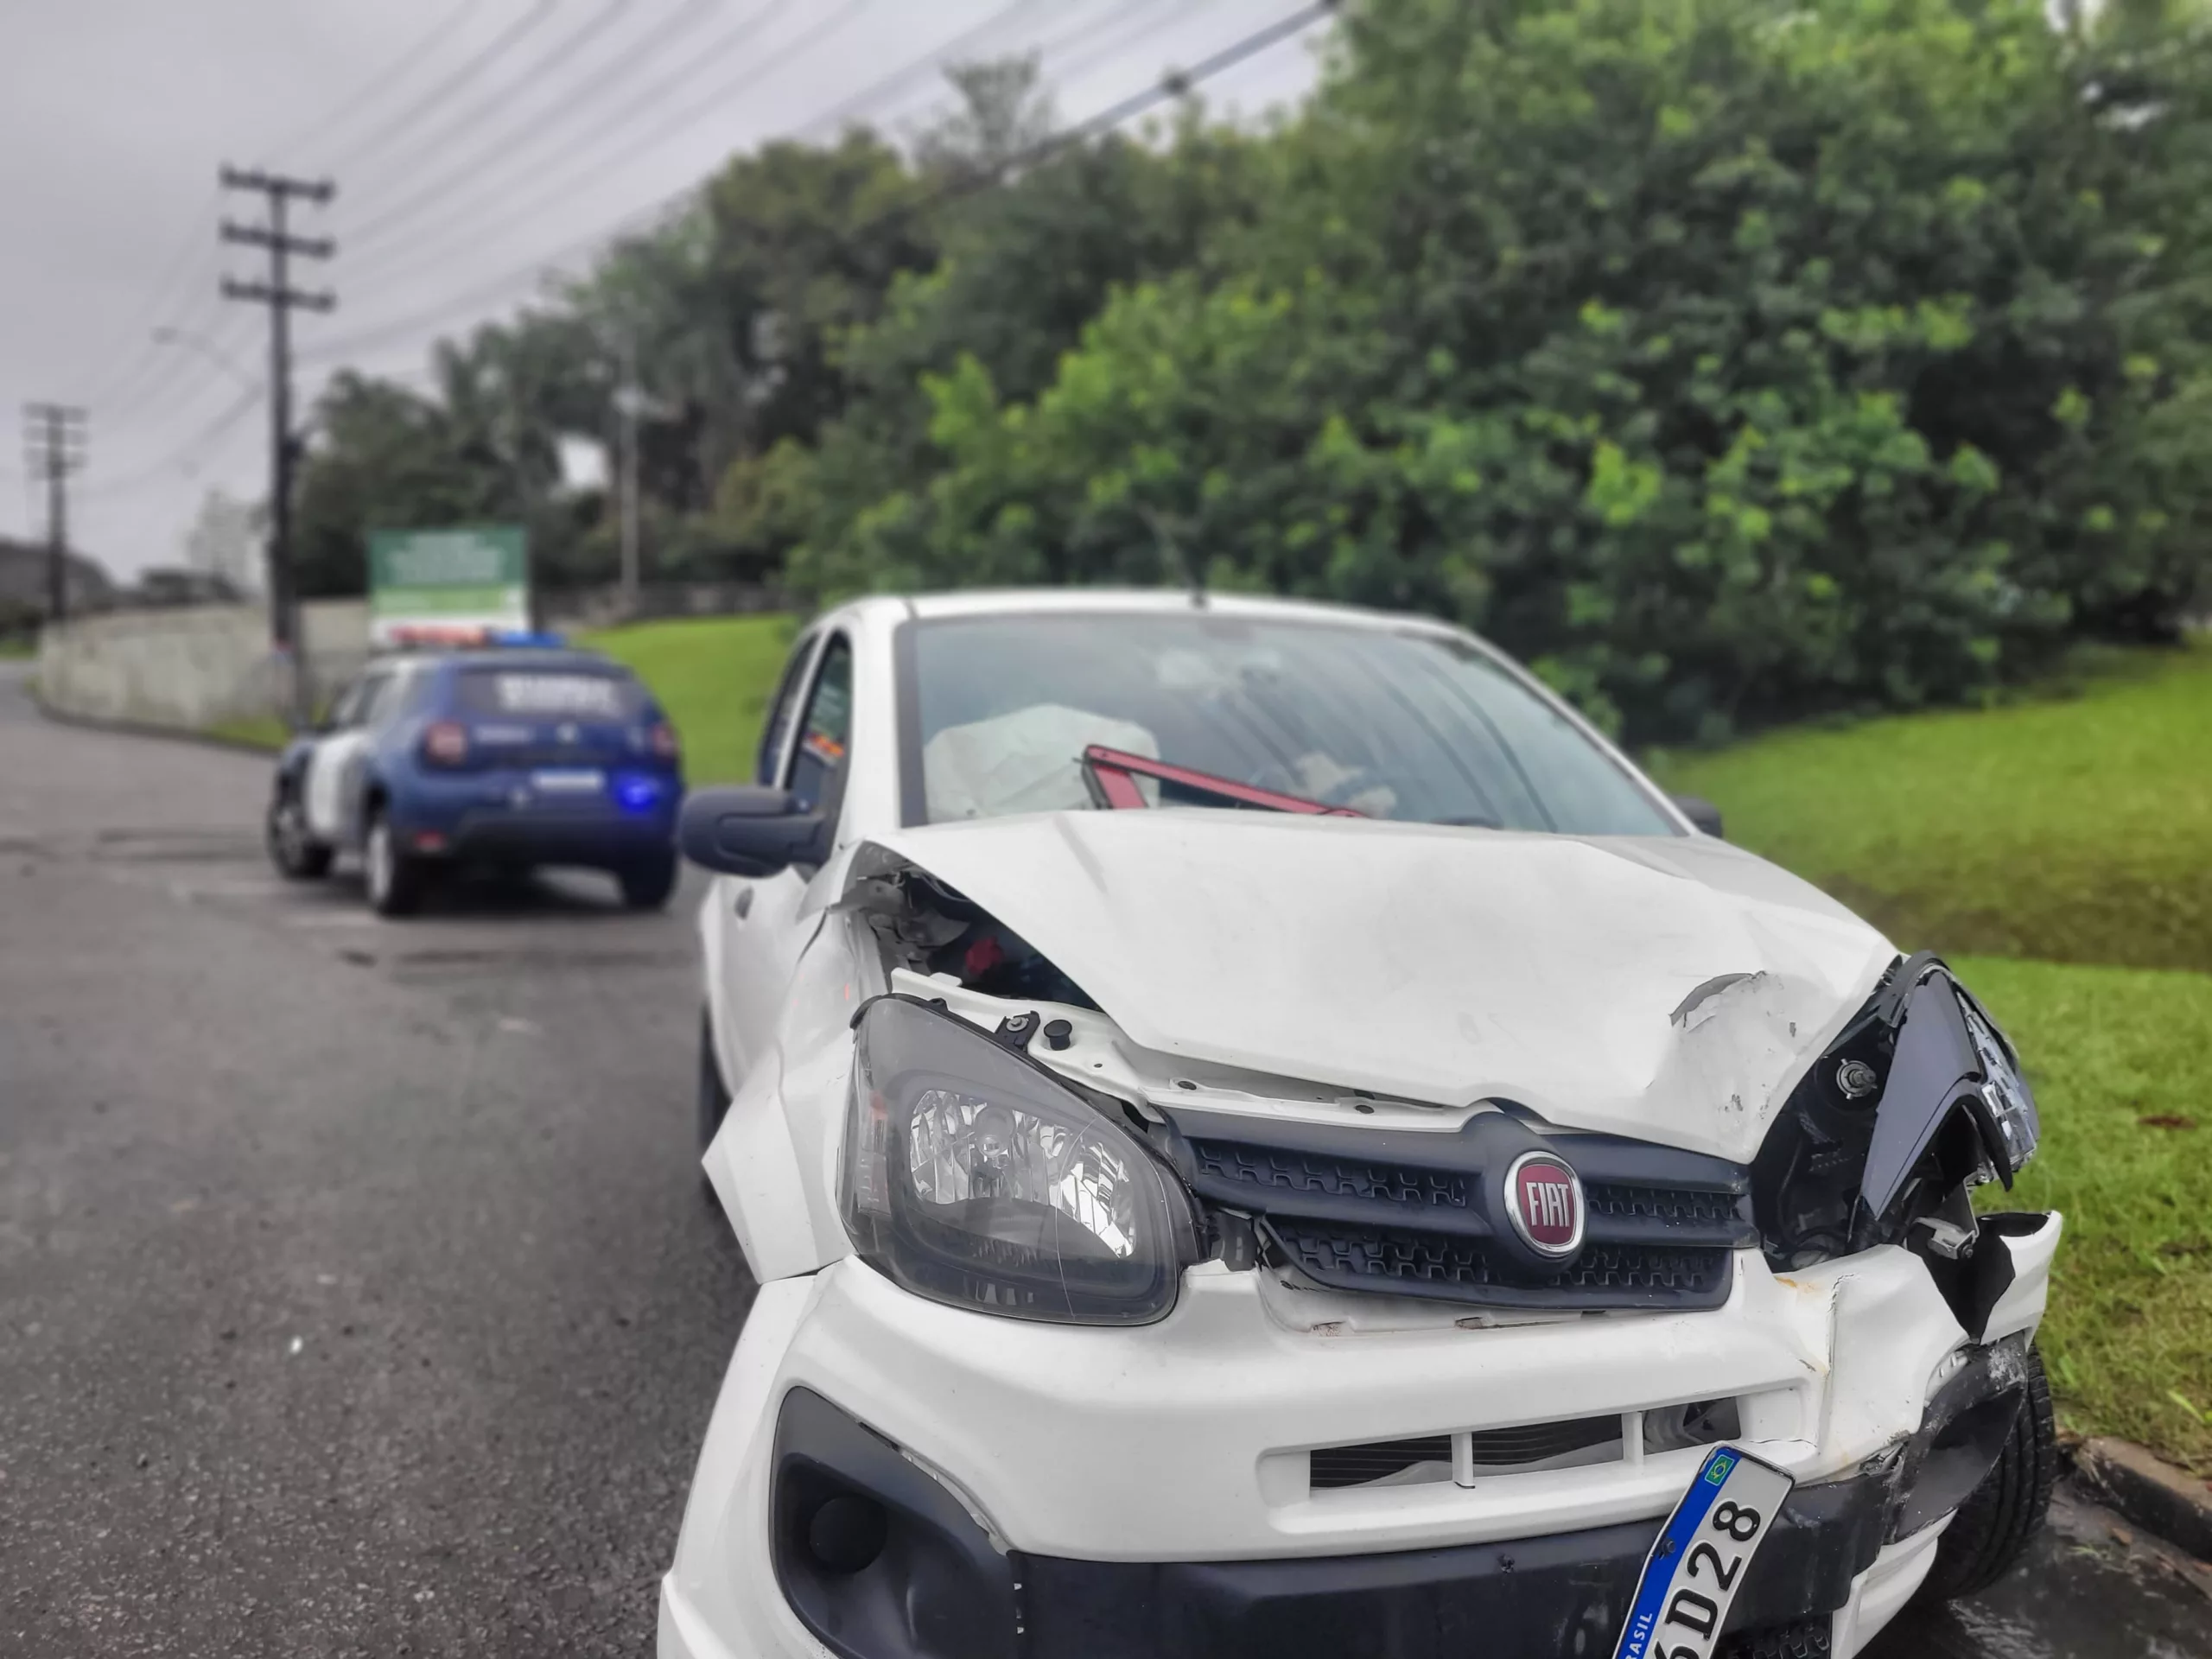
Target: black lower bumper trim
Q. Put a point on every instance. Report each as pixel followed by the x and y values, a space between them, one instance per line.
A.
pixel 1564 1593
pixel 882 1562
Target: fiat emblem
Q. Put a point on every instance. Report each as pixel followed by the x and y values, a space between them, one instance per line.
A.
pixel 568 731
pixel 1543 1200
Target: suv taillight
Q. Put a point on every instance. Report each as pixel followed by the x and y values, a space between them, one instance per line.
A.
pixel 662 738
pixel 445 743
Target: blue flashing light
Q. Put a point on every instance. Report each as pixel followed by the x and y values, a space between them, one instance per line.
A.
pixel 542 637
pixel 636 794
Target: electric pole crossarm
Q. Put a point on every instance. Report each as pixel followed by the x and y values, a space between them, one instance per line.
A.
pixel 315 247
pixel 318 190
pixel 290 298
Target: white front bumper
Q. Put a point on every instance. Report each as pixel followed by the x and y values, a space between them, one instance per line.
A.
pixel 1184 1440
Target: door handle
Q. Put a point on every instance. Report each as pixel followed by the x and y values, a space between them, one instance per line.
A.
pixel 743 903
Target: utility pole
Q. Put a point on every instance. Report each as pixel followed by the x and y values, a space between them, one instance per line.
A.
pixel 282 300
pixel 628 399
pixel 53 444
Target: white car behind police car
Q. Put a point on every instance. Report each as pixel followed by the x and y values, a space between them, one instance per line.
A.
pixel 1418 1196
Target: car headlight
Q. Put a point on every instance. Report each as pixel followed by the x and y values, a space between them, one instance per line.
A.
pixel 974 1177
pixel 2003 1090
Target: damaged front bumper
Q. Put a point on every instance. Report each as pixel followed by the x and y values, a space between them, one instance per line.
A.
pixel 885 1476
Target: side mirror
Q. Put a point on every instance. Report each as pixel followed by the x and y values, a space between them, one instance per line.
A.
pixel 744 830
pixel 1700 811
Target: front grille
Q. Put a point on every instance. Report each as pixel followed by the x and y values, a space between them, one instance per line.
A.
pixel 1445 1267
pixel 1408 1211
pixel 1501 1448
pixel 1337 1466
pixel 1277 1169
pixel 1672 1207
pixel 1473 1456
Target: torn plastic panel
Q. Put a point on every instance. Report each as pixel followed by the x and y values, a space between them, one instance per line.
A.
pixel 1919 1102
pixel 1946 1089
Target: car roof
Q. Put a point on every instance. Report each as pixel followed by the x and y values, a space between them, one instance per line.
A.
pixel 1045 601
pixel 511 656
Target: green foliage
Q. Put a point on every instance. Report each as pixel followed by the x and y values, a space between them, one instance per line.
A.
pixel 1725 364
pixel 2073 829
pixel 714 676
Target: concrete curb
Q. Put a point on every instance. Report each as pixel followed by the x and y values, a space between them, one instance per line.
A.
pixel 2148 1491
pixel 144 729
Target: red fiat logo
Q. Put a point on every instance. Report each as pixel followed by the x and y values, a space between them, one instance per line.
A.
pixel 1544 1199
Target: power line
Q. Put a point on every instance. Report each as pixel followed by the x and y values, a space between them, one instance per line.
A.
pixel 597 133
pixel 185 455
pixel 433 139
pixel 515 146
pixel 323 125
pixel 505 283
pixel 131 360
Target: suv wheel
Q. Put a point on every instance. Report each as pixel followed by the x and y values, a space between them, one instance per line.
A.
pixel 2001 1517
pixel 394 879
pixel 297 853
pixel 647 884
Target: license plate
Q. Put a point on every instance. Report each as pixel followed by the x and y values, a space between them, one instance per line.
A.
pixel 568 780
pixel 1698 1561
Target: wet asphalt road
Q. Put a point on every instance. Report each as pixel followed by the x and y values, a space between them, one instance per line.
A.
pixel 357 1295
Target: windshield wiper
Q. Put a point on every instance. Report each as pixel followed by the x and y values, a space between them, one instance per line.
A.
pixel 1111 776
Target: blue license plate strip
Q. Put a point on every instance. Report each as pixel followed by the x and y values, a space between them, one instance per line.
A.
pixel 1698 1561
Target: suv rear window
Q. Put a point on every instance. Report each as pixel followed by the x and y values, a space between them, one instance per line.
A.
pixel 549 694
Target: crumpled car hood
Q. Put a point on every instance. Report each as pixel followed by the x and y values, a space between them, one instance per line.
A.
pixel 1672 989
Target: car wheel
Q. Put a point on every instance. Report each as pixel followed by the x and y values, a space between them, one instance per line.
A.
pixel 713 1093
pixel 394 879
pixel 647 884
pixel 297 854
pixel 2001 1517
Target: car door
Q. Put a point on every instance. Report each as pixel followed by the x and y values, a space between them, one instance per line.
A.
pixel 763 933
pixel 336 754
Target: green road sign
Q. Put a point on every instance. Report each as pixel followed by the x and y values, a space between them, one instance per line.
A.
pixel 454 581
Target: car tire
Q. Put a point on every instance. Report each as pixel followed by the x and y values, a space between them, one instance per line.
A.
pixel 1809 1639
pixel 395 879
pixel 647 884
pixel 713 1093
pixel 297 854
pixel 2000 1519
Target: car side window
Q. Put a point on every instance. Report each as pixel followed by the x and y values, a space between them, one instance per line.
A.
pixel 772 735
pixel 374 697
pixel 385 702
pixel 346 707
pixel 819 766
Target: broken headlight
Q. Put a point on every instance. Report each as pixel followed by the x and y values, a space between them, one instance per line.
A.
pixel 1920 1100
pixel 975 1177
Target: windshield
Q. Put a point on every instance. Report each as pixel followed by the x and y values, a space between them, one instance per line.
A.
pixel 1393 725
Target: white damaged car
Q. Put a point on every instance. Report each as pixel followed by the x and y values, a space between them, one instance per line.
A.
pixel 1260 1134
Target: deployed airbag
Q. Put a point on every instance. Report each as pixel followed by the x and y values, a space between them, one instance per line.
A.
pixel 1030 760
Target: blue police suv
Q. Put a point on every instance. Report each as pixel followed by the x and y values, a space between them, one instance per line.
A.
pixel 511 756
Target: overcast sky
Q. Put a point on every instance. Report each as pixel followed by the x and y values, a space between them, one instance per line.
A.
pixel 476 144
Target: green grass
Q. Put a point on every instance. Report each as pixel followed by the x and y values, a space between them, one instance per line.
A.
pixel 2075 829
pixel 714 676
pixel 262 731
pixel 2118 1057
pixel 17 646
